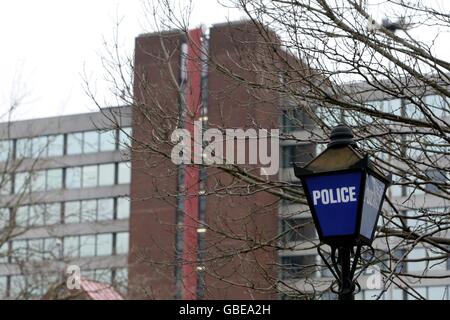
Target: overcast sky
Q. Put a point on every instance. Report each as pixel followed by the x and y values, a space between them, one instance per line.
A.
pixel 46 45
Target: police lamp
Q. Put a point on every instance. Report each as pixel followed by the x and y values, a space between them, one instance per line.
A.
pixel 345 193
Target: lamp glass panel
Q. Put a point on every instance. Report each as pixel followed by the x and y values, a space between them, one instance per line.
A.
pixel 373 196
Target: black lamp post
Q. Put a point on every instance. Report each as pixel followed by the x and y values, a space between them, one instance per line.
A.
pixel 345 193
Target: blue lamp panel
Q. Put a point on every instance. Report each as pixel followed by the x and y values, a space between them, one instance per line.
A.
pixel 335 199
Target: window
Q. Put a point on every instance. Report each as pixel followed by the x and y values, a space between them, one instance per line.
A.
pixel 435 101
pixel 436 176
pixel 121 278
pixel 105 209
pixel 38 181
pixel 415 221
pixel 331 116
pixel 72 211
pixel 37 215
pixel 417 293
pixel 19 250
pixel 124 138
pixel 88 210
pixel 106 174
pixel 5 184
pixel 437 104
pixel 88 274
pixel 39 147
pixel 23 148
pixel 4 253
pixel 398 294
pixel 87 246
pixel 91 142
pixel 4 218
pixel 288 156
pixel 353 119
pixel 398 257
pixel 21 216
pixel 298 266
pixel 108 140
pixel 74 143
pixel 103 275
pixel 122 243
pixel 3 286
pixel 395 190
pixel 393 106
pixel 89 176
pixel 49 281
pixel 123 208
pixel 71 247
pixel 437 293
pixel 412 109
pixel 291 120
pixel 124 173
pixel 55 146
pixel 54 179
pixel 438 260
pixel 18 286
pixel 21 182
pixel 52 213
pixel 73 178
pixel 6 150
pixel 104 244
pixel 417 266
pixel 34 286
pixel 36 249
pixel 52 247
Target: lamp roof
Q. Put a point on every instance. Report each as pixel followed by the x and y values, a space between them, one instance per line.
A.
pixel 342 153
pixel 335 159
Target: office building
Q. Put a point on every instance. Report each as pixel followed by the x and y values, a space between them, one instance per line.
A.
pixel 64 201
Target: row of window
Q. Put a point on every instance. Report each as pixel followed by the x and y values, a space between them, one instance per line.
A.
pixel 91 245
pixel 424 259
pixel 401 190
pixel 429 293
pixel 70 178
pixel 98 175
pixel 118 277
pixel 435 104
pixel 426 220
pixel 65 144
pixel 66 212
pixel 20 286
pixel 304 266
pixel 102 244
pixel 293 119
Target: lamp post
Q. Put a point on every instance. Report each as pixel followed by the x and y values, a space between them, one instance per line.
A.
pixel 345 193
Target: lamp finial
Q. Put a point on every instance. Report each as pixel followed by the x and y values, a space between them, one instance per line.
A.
pixel 340 136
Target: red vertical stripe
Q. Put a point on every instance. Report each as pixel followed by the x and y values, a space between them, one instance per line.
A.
pixel 193 99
